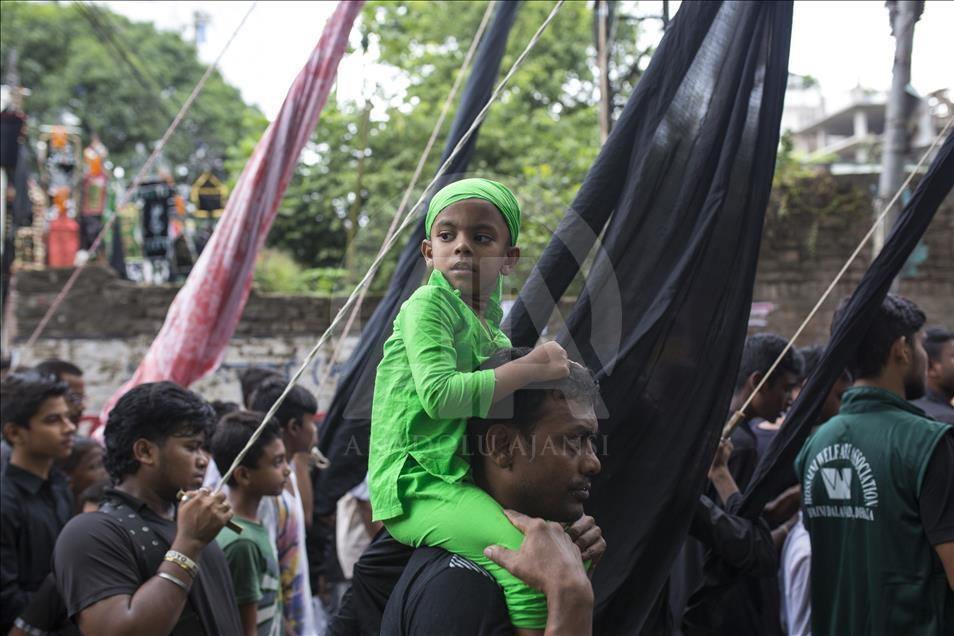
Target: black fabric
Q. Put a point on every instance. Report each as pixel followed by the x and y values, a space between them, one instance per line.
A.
pixel 105 554
pixel 375 576
pixel 743 546
pixel 346 428
pixel 441 593
pixel 685 174
pixel 47 612
pixel 936 499
pixel 117 256
pixel 936 406
pixel 774 470
pixel 847 334
pixel 34 511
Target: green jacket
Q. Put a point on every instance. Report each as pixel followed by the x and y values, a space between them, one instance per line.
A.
pixel 427 386
pixel 873 570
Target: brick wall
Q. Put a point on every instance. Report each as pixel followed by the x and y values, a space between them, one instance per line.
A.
pixel 802 251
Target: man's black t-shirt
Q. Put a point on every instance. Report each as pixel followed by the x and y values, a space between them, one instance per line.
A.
pixel 98 556
pixel 443 593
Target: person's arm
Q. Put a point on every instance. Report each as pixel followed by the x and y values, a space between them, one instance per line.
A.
pixel 157 605
pixel 945 552
pixel 12 597
pixel 303 478
pixel 446 392
pixel 546 362
pixel 798 597
pixel 936 503
pixel 248 613
pixel 743 544
pixel 549 561
pixel 719 473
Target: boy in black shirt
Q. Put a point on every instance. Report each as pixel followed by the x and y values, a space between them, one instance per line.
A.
pixel 36 501
pixel 141 564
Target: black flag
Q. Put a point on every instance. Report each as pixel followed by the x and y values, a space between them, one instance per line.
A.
pixel 679 192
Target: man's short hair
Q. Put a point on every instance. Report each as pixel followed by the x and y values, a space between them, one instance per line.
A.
pixel 22 394
pixel 896 317
pixel 232 434
pixel 251 378
pixel 811 356
pixel 760 352
pixel 154 411
pixel 934 340
pixel 58 368
pixel 297 405
pixel 522 409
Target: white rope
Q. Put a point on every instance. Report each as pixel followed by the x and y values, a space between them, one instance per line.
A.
pixel 409 217
pixel 356 310
pixel 740 414
pixel 134 186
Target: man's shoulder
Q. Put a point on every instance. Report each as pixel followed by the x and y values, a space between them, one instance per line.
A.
pixel 442 592
pixel 89 529
pixel 436 563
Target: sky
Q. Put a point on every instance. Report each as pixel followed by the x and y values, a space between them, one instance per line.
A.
pixel 841 44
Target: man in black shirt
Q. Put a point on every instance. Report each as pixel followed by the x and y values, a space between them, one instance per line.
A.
pixel 939 385
pixel 534 453
pixel 36 500
pixel 140 565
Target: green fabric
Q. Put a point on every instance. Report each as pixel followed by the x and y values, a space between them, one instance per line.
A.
pixel 463 519
pixel 426 388
pixel 255 574
pixel 873 571
pixel 492 191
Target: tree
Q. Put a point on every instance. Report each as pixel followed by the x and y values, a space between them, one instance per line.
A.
pixel 125 81
pixel 540 137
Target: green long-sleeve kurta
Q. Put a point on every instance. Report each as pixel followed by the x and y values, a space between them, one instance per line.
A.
pixel 427 386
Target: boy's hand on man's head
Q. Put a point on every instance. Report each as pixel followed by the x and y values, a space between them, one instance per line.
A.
pixel 549 361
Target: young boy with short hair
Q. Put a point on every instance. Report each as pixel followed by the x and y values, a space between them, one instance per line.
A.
pixel 36 499
pixel 251 554
pixel 428 385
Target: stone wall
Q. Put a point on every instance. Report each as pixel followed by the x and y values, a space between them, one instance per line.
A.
pixel 107 324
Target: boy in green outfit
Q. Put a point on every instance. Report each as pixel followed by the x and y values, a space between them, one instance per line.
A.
pixel 251 555
pixel 428 385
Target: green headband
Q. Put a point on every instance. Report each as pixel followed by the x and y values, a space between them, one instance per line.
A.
pixel 496 193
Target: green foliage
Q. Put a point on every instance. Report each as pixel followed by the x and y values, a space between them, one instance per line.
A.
pixel 277 272
pixel 539 138
pixel 69 64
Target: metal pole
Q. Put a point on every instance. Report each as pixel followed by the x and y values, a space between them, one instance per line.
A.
pixel 903 15
pixel 602 15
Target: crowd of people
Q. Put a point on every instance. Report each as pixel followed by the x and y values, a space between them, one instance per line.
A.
pixel 472 517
